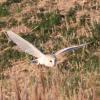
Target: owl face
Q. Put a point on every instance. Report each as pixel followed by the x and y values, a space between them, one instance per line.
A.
pixel 50 61
pixel 47 60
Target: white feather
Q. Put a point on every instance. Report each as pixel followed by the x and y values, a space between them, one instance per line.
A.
pixel 24 45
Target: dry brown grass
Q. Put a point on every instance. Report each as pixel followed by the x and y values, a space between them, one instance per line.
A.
pixel 77 78
pixel 2 1
pixel 31 82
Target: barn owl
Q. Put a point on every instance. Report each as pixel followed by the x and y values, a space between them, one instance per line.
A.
pixel 49 60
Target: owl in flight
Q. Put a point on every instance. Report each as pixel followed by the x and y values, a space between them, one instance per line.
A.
pixel 49 60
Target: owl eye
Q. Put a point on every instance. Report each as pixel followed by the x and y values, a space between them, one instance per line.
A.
pixel 50 60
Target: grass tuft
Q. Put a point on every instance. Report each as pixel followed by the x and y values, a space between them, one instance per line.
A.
pixel 3 11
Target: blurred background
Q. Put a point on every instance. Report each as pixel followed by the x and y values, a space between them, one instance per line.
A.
pixel 50 25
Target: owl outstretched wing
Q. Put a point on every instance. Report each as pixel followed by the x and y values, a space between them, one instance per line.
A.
pixel 24 45
pixel 60 54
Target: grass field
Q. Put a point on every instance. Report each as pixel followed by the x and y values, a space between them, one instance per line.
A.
pixel 50 25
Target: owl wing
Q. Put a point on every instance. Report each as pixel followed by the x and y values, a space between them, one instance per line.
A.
pixel 60 54
pixel 24 45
